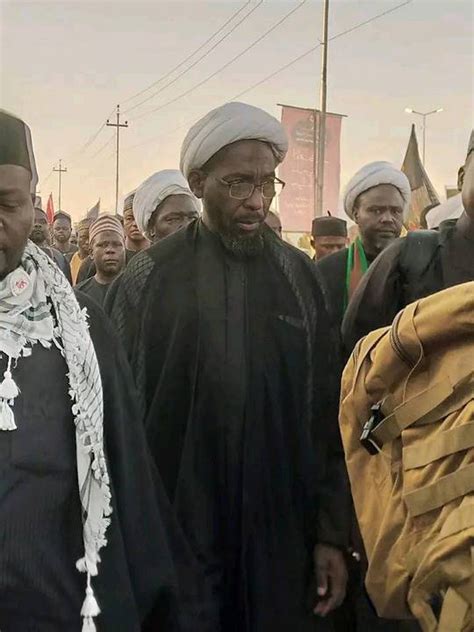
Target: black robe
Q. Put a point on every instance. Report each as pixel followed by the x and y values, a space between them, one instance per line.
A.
pixel 234 363
pixel 384 291
pixel 41 530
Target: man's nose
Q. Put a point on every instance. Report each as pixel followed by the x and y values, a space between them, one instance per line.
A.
pixel 255 201
pixel 387 217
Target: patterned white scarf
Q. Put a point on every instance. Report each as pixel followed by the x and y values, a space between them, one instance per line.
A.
pixel 29 296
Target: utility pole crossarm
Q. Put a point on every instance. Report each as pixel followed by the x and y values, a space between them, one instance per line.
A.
pixel 117 125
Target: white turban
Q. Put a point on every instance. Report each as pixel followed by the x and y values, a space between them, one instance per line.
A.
pixel 154 190
pixel 372 175
pixel 226 125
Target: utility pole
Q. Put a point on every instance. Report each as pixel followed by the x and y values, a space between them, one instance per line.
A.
pixel 117 125
pixel 60 171
pixel 321 135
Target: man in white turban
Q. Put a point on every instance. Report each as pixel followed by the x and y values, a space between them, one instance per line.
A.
pixel 226 328
pixel 377 199
pixel 423 263
pixel 163 204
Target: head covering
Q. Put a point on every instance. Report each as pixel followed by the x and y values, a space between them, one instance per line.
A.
pixel 83 223
pixel 63 215
pixel 329 227
pixel 372 175
pixel 226 125
pixel 16 147
pixel 154 190
pixel 470 146
pixel 105 222
pixel 128 201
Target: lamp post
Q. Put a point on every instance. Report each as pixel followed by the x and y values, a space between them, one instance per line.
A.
pixel 424 115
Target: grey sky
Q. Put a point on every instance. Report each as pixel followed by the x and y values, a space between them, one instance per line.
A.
pixel 64 66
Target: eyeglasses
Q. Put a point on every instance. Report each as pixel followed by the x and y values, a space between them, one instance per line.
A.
pixel 241 190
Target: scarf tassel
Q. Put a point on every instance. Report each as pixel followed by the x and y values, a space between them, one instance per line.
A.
pixel 8 388
pixel 8 391
pixel 88 625
pixel 90 608
pixel 7 418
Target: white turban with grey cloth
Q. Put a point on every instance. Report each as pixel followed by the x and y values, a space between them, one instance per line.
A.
pixel 154 190
pixel 372 175
pixel 228 124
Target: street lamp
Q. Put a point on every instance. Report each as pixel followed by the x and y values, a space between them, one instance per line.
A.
pixel 424 115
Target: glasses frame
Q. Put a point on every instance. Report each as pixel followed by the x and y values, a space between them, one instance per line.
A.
pixel 254 186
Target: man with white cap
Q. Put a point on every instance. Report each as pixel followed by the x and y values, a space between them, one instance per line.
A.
pixel 376 199
pixel 163 204
pixel 107 249
pixel 421 264
pixel 82 537
pixel 227 332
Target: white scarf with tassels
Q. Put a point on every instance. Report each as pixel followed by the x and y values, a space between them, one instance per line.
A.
pixel 37 305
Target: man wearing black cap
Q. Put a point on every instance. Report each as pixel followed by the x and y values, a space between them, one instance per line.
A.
pixel 62 230
pixel 421 264
pixel 328 235
pixel 81 530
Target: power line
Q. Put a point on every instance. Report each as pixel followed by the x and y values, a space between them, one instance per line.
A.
pixel 211 76
pixel 282 69
pixel 312 49
pixel 198 60
pixel 104 146
pixel 43 182
pixel 190 56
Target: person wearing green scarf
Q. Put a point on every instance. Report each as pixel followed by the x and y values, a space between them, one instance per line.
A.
pixel 376 199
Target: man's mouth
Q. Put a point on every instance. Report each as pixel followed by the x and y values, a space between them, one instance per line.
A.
pixel 249 226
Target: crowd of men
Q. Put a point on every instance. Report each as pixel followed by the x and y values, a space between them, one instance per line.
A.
pixel 169 438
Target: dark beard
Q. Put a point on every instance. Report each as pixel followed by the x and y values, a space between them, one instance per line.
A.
pixel 243 247
pixel 240 246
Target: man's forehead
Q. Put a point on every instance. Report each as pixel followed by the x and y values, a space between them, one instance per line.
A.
pixel 14 179
pixel 244 155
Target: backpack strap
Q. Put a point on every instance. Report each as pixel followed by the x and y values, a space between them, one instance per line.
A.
pixel 418 250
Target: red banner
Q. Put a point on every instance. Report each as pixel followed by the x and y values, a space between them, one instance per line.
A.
pixel 296 203
pixel 50 209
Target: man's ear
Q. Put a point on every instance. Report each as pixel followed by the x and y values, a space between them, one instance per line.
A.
pixel 461 177
pixel 196 181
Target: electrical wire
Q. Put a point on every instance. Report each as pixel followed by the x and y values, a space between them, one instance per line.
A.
pixel 190 56
pixel 312 49
pixel 226 65
pixel 197 61
pixel 281 69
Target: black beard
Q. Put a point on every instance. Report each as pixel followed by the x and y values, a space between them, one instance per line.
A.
pixel 38 237
pixel 243 247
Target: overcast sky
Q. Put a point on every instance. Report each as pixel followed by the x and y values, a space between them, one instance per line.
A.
pixel 65 65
